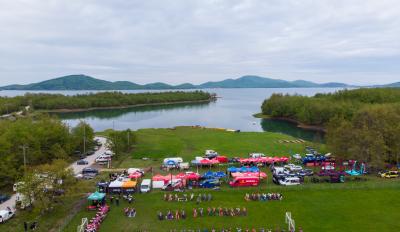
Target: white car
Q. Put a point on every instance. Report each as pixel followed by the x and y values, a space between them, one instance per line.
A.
pixel 256 155
pixel 289 181
pixel 103 158
pixel 5 215
pixel 297 156
pixel 279 171
pixel 293 167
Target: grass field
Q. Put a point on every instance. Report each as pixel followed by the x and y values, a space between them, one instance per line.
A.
pixel 371 205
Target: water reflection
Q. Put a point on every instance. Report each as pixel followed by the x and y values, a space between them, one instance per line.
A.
pixel 115 113
pixel 280 126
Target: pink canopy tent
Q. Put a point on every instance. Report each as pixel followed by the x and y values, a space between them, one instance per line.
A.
pixel 262 175
pixel 135 175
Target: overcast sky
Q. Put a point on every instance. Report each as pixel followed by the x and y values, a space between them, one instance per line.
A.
pixel 351 41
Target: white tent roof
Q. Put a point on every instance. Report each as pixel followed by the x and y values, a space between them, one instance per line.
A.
pixel 116 184
pixel 133 170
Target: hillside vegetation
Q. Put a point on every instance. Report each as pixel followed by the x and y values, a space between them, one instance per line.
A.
pixel 44 139
pixel 361 124
pixel 97 100
pixel 321 108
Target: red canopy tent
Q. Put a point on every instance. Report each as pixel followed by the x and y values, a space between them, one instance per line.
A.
pixel 192 176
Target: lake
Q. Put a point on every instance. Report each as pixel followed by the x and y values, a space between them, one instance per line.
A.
pixel 233 109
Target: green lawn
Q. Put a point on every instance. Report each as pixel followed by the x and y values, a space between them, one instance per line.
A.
pixel 188 142
pixel 366 206
pixel 371 205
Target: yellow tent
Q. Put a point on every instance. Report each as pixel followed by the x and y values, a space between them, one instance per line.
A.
pixel 129 184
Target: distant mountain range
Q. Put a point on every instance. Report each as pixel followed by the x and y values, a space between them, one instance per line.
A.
pixel 83 82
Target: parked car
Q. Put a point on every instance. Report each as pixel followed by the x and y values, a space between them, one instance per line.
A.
pixel 175 184
pixel 293 167
pixel 297 156
pixel 289 181
pixel 256 155
pixel 390 174
pixel 89 173
pixel 5 215
pixel 279 171
pixel 102 159
pixel 210 154
pixel 145 186
pixel 305 172
pixel 210 183
pixel 82 162
pixel 4 198
pixel 91 152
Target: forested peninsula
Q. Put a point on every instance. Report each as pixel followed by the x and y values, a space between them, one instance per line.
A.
pixel 84 102
pixel 361 124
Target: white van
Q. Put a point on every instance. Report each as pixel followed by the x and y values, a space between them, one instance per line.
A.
pixel 145 186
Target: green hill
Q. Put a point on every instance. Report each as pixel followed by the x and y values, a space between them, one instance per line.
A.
pixel 83 82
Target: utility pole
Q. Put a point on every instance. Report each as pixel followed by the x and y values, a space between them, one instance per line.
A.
pixel 24 147
pixel 84 137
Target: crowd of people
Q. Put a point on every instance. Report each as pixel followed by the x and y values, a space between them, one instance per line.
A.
pixel 263 196
pixel 185 197
pixel 94 223
pixel 232 212
pixel 170 215
pixel 130 212
pixel 237 229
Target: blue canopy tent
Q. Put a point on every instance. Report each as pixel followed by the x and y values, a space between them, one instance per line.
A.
pixel 232 169
pixel 254 169
pixel 243 169
pixel 208 175
pixel 212 175
pixel 219 174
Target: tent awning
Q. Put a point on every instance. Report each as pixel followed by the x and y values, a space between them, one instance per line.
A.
pixel 129 184
pixel 96 196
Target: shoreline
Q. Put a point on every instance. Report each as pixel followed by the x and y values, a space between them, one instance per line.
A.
pixel 294 121
pixel 121 107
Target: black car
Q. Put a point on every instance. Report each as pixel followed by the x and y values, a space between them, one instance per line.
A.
pixel 4 198
pixel 89 153
pixel 82 162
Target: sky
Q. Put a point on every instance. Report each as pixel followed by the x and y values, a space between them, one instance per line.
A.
pixel 177 41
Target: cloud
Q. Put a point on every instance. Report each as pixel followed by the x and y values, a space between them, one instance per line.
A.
pixel 354 41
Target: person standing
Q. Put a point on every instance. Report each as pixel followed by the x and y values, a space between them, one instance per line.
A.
pixel 25 226
pixel 117 201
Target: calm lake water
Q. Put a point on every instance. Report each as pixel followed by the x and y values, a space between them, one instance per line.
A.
pixel 233 109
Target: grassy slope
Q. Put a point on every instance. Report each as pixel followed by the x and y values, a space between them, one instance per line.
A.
pixel 190 142
pixel 353 206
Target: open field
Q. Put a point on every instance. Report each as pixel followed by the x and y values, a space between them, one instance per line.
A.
pixel 370 205
pixel 315 208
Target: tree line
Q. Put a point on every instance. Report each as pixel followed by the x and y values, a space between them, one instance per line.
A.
pixel 361 124
pixel 102 99
pixel 37 141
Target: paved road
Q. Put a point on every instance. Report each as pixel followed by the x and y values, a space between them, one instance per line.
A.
pixel 76 168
